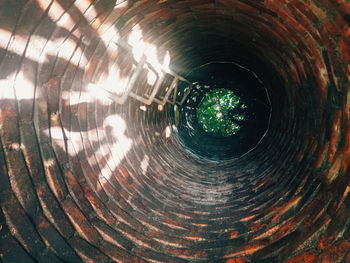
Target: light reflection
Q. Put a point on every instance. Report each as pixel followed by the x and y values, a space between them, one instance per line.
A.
pixel 144 164
pixel 17 44
pixel 6 89
pixel 55 11
pixel 167 132
pixel 122 144
pixel 86 8
pixel 121 3
pixel 5 37
pixel 111 34
pixel 66 49
pixel 113 82
pixel 141 47
pixel 135 40
pixel 94 93
pixel 151 78
pixel 39 49
pixel 61 47
pixel 23 87
pixel 58 134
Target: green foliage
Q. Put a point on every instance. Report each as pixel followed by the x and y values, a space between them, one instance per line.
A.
pixel 221 112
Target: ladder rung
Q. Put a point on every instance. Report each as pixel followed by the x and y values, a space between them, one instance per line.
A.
pixel 185 96
pixel 165 98
pixel 132 81
pixel 151 98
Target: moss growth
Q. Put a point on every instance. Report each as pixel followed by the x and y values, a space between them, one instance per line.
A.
pixel 221 112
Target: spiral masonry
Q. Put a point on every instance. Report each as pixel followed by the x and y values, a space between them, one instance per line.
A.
pixel 85 179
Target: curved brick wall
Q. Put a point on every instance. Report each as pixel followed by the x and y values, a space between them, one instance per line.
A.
pixel 85 179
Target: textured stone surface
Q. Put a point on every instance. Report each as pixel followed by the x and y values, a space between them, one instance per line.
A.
pixel 85 179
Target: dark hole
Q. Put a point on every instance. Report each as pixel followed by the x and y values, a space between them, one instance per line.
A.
pixel 252 94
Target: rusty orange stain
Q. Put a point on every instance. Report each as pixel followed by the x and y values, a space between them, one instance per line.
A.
pixel 267 233
pixel 262 183
pixel 334 135
pixel 124 172
pixel 322 156
pixel 346 192
pixel 306 257
pixel 256 226
pixel 334 170
pixel 200 225
pixel 182 215
pixel 167 243
pixel 247 250
pixel 245 219
pixel 234 234
pixel 195 238
pixel 345 50
pixel 201 254
pixel 283 230
pixel 236 260
pixel 323 243
pixel 284 209
pixel 172 224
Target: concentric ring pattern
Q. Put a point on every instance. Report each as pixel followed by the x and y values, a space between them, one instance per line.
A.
pixel 84 178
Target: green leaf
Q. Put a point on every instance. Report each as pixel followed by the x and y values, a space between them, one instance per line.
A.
pixel 214 110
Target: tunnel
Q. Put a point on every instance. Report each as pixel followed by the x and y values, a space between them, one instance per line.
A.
pixel 98 166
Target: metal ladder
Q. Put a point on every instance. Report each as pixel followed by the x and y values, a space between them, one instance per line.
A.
pixel 162 92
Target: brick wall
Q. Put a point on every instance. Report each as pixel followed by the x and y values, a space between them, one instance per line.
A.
pixel 85 179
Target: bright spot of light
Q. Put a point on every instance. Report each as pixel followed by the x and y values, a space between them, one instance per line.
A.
pixel 144 164
pixel 119 145
pixel 120 4
pixel 122 143
pixel 166 62
pixel 160 107
pixel 135 37
pixel 6 89
pixel 55 11
pixel 23 87
pixel 151 53
pixel 67 48
pixel 85 8
pixel 17 44
pixel 58 135
pixel 5 37
pixel 167 132
pixel 151 78
pixel 135 40
pixel 112 82
pixel 15 146
pixel 94 93
pixel 143 108
pixel 140 47
pixel 152 57
pixel 49 162
pixel 110 35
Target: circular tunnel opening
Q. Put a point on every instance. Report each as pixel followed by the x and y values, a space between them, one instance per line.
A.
pixel 225 115
pixel 104 155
